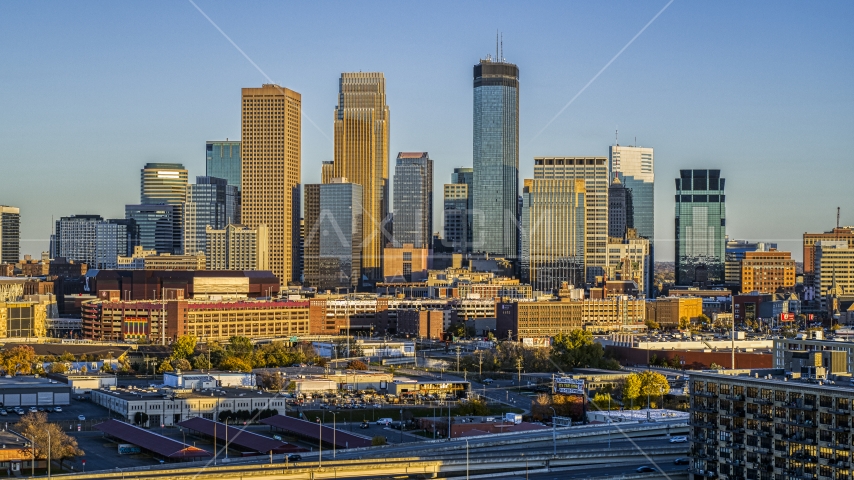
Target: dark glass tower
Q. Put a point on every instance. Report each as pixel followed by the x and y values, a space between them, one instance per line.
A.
pixel 496 158
pixel 700 227
pixel 413 199
pixel 210 202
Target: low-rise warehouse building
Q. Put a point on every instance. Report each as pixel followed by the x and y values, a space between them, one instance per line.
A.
pixel 32 391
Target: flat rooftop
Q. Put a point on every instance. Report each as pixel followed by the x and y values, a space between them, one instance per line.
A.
pixel 28 381
pixel 161 393
pixel 777 378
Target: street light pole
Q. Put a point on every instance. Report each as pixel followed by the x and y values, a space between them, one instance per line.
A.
pixel 554 432
pixel 320 445
pixel 334 414
pixel 467 459
pixel 226 437
pixel 48 453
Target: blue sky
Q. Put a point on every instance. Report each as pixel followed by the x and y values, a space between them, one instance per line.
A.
pixel 91 91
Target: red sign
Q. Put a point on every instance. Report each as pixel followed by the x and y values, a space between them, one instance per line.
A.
pixel 84 461
pixel 810 316
pixel 787 317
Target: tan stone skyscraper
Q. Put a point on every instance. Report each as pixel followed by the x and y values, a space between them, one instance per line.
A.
pixel 361 156
pixel 271 172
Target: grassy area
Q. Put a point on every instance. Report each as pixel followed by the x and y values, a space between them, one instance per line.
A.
pixel 393 412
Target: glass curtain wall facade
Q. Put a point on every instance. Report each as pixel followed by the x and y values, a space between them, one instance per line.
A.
pixel 553 232
pixel 222 160
pixel 333 235
pixel 166 184
pixel 210 202
pixel 94 241
pixel 700 227
pixel 636 166
pixel 155 226
pixel 496 158
pixel 413 199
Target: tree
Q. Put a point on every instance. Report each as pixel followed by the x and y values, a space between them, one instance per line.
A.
pixel 235 364
pixel 378 440
pixel 684 323
pixel 18 360
pixel 457 330
pixel 66 357
pixel 356 365
pixel 140 418
pixel 58 367
pixel 165 366
pixel 181 364
pixel 35 427
pixel 184 346
pixel 652 324
pixel 239 347
pixel 603 401
pixel 644 384
pixel 703 320
pixel 473 407
pixel 577 349
pixel 106 368
pixel 270 381
pixel 200 362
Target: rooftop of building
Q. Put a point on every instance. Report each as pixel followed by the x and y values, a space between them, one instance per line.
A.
pixel 779 378
pixel 166 393
pixel 12 441
pixel 27 381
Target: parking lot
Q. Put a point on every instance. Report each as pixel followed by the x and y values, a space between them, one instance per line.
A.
pixel 68 418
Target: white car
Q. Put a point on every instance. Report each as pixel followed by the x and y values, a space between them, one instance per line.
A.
pixel 681 439
pixel 57 409
pixel 81 417
pixel 33 409
pixel 384 421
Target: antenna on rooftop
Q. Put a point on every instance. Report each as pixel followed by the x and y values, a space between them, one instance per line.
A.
pixel 496 44
pixel 837 217
pixel 617 137
pixel 501 58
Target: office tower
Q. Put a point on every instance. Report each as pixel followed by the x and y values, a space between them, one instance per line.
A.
pixel 735 250
pixel 810 239
pixel 413 199
pixel 594 172
pixel 496 157
pixel 222 160
pixel 333 233
pixel 237 247
pixel 553 232
pixel 270 172
pixel 700 227
pixel 10 234
pixel 92 240
pixel 166 184
pixel 361 156
pixel 636 171
pixel 327 172
pixel 767 272
pixel 211 202
pixel 457 208
pixel 628 259
pixel 155 226
pixel 834 271
pixel 620 217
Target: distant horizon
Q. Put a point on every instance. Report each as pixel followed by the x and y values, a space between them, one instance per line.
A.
pixel 92 92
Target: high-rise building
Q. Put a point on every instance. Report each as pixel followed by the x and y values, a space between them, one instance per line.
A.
pixel 553 223
pixel 628 259
pixel 211 202
pixel 362 125
pixel 155 226
pixel 620 217
pixel 333 235
pixel 766 272
pixel 496 157
pixel 636 167
pixel 10 234
pixel 94 241
pixel 834 270
pixel 700 227
pixel 594 172
pixel 458 207
pixel 413 199
pixel 222 160
pixel 270 172
pixel 735 250
pixel 810 239
pixel 237 247
pixel 166 184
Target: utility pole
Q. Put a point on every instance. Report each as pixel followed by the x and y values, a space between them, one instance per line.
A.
pixel 458 358
pixel 480 362
pixel 519 370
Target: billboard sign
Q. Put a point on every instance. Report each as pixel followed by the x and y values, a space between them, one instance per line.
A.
pixel 128 449
pixel 541 342
pixel 569 386
pixel 787 317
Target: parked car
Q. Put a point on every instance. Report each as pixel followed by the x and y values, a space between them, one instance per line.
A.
pixel 680 439
pixel 57 409
pixel 33 409
pixel 682 461
pixel 645 469
pixel 81 417
pixel 294 457
pixel 384 421
pixel 3 411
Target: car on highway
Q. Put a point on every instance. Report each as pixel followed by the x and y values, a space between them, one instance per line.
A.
pixel 294 457
pixel 682 461
pixel 487 381
pixel 384 421
pixel 364 425
pixel 645 469
pixel 679 439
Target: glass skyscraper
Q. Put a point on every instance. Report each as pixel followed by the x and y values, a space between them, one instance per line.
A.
pixel 94 241
pixel 156 227
pixel 636 166
pixel 458 208
pixel 222 160
pixel 210 202
pixel 10 234
pixel 700 227
pixel 496 157
pixel 333 235
pixel 413 199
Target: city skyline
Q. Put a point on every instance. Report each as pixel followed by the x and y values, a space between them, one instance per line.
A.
pixel 758 107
